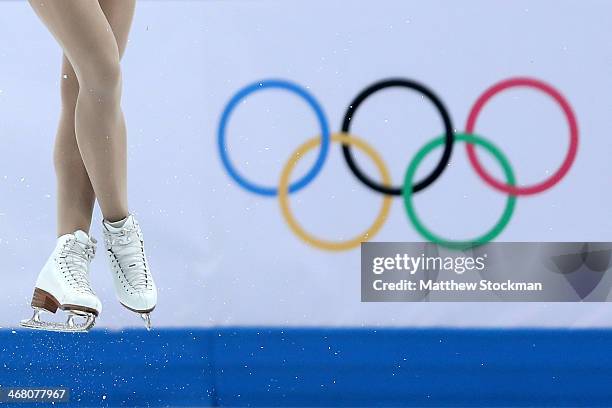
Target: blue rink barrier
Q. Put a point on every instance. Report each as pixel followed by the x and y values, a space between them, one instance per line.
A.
pixel 315 367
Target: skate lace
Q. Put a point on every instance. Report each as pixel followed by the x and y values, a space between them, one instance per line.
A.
pixel 74 260
pixel 128 248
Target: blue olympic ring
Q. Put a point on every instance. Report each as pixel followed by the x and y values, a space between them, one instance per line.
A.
pixel 325 136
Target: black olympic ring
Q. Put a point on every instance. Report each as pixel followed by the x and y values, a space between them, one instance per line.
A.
pixel 448 126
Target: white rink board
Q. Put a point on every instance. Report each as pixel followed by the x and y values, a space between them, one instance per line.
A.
pixel 223 256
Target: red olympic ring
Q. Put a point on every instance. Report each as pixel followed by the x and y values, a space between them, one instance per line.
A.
pixel 571 154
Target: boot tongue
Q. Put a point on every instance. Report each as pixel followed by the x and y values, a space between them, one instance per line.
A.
pixel 82 237
pixel 115 227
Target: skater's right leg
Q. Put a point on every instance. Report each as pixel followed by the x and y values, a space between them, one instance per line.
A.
pixel 83 31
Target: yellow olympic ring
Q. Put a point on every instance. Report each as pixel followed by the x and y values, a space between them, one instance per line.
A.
pixel 283 194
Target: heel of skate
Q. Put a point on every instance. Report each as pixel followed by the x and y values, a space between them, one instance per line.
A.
pixel 45 302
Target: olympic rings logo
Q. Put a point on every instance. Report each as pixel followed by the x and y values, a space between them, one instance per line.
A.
pixel 409 187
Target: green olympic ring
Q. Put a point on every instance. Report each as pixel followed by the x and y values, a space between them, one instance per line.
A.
pixel 408 194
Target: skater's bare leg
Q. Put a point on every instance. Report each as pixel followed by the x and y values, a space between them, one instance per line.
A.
pixel 75 194
pixel 83 30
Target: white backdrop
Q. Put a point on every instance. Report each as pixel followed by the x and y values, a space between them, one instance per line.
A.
pixel 223 256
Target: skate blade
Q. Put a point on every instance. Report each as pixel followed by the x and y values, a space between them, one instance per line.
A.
pixel 70 326
pixel 146 317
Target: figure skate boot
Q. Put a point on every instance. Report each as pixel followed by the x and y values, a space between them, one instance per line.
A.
pixel 63 283
pixel 134 284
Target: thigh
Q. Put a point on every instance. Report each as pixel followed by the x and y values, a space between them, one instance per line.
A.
pixel 119 14
pixel 82 30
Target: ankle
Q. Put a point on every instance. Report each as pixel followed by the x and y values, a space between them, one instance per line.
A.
pixel 116 217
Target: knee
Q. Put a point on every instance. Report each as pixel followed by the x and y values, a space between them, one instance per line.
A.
pixel 101 76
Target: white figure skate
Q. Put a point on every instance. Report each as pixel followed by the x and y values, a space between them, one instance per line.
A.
pixel 134 284
pixel 64 283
